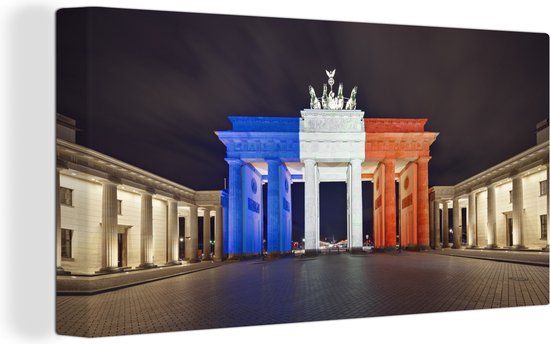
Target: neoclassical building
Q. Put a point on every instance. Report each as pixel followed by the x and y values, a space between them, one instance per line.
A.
pixel 505 206
pixel 112 216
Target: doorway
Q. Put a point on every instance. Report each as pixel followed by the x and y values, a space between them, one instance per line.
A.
pixel 509 231
pixel 122 249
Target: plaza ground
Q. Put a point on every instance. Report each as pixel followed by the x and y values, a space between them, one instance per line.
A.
pixel 286 290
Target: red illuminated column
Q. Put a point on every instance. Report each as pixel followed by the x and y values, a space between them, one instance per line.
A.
pixel 389 203
pixel 422 200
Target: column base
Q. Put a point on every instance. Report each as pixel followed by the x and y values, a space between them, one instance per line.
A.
pixel 234 256
pixel 216 259
pixel 173 262
pixel 193 260
pixel 423 248
pixel 273 255
pixel 147 265
pixel 60 271
pixel 518 247
pixel 491 246
pixel 207 258
pixel 437 246
pixel 471 246
pixel 311 253
pixel 111 269
pixel 356 250
pixel 445 246
pixel 546 249
pixel 456 246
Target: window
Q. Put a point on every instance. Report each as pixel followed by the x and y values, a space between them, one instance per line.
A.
pixel 511 196
pixel 543 187
pixel 543 231
pixel 66 243
pixel 65 196
pixel 119 207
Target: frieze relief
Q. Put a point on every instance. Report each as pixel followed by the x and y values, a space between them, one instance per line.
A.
pixel 339 124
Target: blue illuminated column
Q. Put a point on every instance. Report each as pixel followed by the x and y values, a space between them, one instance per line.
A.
pixel 285 222
pixel 273 206
pixel 235 216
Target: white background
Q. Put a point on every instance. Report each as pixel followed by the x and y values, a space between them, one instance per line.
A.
pixel 27 111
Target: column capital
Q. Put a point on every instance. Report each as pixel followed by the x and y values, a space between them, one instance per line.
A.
pixel 109 182
pixel 61 165
pixel 516 176
pixel 388 161
pixel 423 159
pixel 234 161
pixel 309 161
pixel 490 184
pixel 356 161
pixel 273 160
pixel 147 192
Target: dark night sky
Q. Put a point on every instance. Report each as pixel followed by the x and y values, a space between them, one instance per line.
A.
pixel 150 88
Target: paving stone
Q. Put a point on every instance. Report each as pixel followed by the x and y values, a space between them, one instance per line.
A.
pixel 295 290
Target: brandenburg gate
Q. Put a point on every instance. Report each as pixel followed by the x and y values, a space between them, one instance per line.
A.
pixel 330 142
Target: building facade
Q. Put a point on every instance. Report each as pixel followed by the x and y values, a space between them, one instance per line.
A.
pixel 112 216
pixel 505 206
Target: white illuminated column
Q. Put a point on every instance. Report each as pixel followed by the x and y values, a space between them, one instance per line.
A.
pixel 57 223
pixel 146 225
pixel 310 206
pixel 517 212
pixel 432 223
pixel 206 235
pixel 472 218
pixel 109 223
pixel 218 234
pixel 437 226
pixel 491 217
pixel 445 225
pixel 547 205
pixel 187 237
pixel 193 233
pixel 173 235
pixel 457 231
pixel 356 241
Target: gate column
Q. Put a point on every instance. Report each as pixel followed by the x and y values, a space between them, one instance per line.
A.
pixel 273 206
pixel 235 207
pixel 422 206
pixel 389 190
pixel 310 207
pixel 356 230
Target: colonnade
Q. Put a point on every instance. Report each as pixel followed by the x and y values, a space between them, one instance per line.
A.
pixel 472 217
pixel 110 230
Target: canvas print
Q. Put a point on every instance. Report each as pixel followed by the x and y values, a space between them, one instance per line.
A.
pixel 218 171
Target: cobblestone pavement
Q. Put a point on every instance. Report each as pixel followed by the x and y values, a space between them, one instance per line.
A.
pixel 525 257
pixel 305 289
